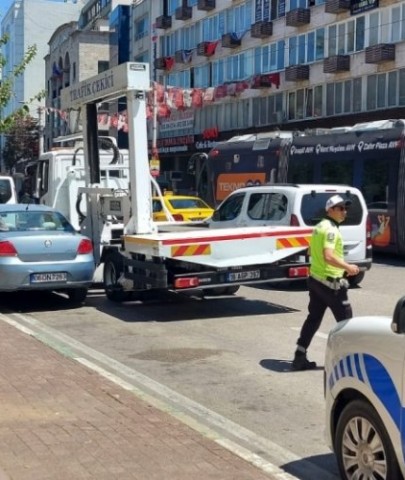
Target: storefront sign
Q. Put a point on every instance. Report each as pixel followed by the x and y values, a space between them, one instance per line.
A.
pixel 359 6
pixel 178 120
pixel 175 144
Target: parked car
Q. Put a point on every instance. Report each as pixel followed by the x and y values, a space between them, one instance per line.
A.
pixel 40 250
pixel 183 208
pixel 300 205
pixel 365 396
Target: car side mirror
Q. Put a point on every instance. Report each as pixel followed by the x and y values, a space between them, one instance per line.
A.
pixel 398 319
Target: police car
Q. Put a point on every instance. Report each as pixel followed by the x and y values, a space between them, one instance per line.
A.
pixel 365 396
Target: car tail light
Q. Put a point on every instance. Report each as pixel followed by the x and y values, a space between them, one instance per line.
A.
pixel 186 282
pixel 298 272
pixel 294 222
pixel 85 247
pixel 178 217
pixel 368 231
pixel 7 249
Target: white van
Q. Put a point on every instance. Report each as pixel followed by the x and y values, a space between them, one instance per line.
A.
pixel 8 192
pixel 300 205
pixel 365 396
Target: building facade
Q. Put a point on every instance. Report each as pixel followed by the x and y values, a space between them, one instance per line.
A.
pixel 73 56
pixel 29 22
pixel 287 64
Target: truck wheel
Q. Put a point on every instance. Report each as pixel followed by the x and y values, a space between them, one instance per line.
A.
pixel 356 279
pixel 362 445
pixel 113 268
pixel 77 295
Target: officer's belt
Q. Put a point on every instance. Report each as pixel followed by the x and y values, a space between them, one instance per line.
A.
pixel 330 282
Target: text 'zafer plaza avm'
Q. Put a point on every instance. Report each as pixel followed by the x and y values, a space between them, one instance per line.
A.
pixel 344 148
pixel 91 88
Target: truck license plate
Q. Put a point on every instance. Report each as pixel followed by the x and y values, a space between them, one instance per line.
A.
pixel 48 277
pixel 248 275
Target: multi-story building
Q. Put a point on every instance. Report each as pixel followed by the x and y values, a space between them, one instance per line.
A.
pixel 290 64
pixel 73 56
pixel 29 22
pixel 78 50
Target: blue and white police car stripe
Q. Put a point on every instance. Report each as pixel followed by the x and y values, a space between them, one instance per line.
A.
pixel 369 370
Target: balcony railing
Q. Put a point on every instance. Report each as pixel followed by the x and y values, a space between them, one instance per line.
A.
pixel 164 22
pixel 336 63
pixel 337 6
pixel 183 13
pixel 298 17
pixel 230 40
pixel 206 5
pixel 383 52
pixel 297 72
pixel 261 29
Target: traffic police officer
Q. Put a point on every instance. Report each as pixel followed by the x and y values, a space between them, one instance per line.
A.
pixel 326 283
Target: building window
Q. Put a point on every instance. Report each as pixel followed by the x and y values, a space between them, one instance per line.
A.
pixel 172 5
pixel 102 66
pixel 141 28
pixel 357 99
pixel 269 58
pixel 306 48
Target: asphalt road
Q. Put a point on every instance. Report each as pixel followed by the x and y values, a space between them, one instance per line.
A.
pixel 224 360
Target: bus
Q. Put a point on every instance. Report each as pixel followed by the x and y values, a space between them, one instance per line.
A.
pixel 369 156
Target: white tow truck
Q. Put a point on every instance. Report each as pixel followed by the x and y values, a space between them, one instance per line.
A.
pixel 177 257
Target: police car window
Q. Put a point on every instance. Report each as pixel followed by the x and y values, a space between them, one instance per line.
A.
pixel 231 208
pixel 313 209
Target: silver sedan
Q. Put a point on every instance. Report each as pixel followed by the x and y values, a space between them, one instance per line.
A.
pixel 40 250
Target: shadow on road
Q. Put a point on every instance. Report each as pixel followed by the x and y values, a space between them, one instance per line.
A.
pixel 303 470
pixel 165 307
pixel 280 365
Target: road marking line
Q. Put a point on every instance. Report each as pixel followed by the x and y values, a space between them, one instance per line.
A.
pixel 195 415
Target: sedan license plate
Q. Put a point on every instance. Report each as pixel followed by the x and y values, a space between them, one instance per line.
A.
pixel 48 277
pixel 248 275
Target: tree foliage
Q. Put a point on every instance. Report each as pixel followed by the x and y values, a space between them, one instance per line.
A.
pixel 22 140
pixel 7 84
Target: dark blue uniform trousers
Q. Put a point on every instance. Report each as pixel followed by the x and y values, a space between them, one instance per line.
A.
pixel 320 298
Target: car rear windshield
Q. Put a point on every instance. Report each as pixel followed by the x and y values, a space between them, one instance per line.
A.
pixel 184 203
pixel 313 208
pixel 31 220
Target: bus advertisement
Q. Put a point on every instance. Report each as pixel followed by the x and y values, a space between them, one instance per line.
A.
pixel 369 156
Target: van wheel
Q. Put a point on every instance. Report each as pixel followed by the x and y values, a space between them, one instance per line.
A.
pixel 355 280
pixel 113 269
pixel 362 445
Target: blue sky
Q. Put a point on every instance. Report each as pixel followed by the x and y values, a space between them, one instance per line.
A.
pixel 4 6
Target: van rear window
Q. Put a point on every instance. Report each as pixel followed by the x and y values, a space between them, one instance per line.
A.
pixel 5 190
pixel 313 209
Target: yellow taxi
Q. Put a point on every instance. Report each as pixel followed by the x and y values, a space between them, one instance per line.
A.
pixel 183 208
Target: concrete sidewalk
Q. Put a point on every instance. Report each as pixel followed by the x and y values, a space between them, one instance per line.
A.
pixel 62 421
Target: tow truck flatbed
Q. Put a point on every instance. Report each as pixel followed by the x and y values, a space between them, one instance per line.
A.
pixel 250 245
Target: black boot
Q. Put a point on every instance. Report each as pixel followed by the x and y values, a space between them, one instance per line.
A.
pixel 301 362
